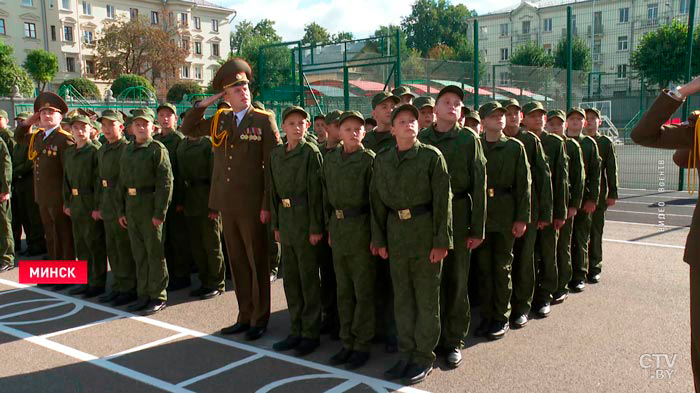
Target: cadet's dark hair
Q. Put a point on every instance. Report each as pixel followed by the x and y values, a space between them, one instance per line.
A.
pixel 319 117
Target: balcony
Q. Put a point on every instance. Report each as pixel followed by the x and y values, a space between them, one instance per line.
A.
pixel 596 29
pixel 523 37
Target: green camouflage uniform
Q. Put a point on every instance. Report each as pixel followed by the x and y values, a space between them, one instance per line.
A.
pixel 147 182
pixel 7 243
pixel 411 215
pixel 296 208
pixel 81 194
pixel 121 259
pixel 346 199
pixel 466 163
pixel 378 141
pixel 508 193
pixel 195 160
pixel 608 189
pixel 324 256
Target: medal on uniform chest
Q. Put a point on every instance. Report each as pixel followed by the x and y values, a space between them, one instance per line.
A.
pixel 244 137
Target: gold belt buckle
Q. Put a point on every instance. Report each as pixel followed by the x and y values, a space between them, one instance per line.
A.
pixel 286 203
pixel 339 215
pixel 104 183
pixel 492 193
pixel 132 191
pixel 405 214
pixel 74 191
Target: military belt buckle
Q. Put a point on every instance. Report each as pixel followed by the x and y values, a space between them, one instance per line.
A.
pixel 104 183
pixel 339 215
pixel 492 192
pixel 74 191
pixel 286 203
pixel 132 191
pixel 405 214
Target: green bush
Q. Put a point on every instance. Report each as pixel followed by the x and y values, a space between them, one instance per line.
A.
pixel 178 91
pixel 84 86
pixel 126 81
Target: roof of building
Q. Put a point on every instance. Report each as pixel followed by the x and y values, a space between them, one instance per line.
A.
pixel 534 4
pixel 209 4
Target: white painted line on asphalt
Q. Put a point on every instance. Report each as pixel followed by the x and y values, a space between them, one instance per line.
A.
pixel 14 314
pixel 273 385
pixel 11 291
pixel 81 327
pixel 653 214
pixel 343 387
pixel 645 225
pixel 339 373
pixel 146 346
pixel 656 196
pixel 651 205
pixel 644 244
pixel 220 370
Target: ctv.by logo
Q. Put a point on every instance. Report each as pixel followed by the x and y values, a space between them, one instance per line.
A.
pixel 660 364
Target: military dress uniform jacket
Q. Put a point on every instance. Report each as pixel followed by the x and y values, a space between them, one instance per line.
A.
pixel 378 141
pixel 346 183
pixel 47 155
pixel 652 132
pixel 108 161
pixel 81 185
pixel 467 166
pixel 195 162
pixel 239 182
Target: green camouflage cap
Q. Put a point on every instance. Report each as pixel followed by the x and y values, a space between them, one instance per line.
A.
pixel 351 114
pixel 401 91
pixel 576 109
pixel 169 106
pixel 96 125
pixel 404 108
pixel 142 113
pixel 510 102
pixel 594 110
pixel 556 113
pixel 333 116
pixel 259 105
pixel 488 108
pixel 451 89
pixel 422 102
pixel 3 113
pixel 472 114
pixel 294 109
pixel 80 118
pixel 381 97
pixel 23 116
pixel 110 114
pixel 533 106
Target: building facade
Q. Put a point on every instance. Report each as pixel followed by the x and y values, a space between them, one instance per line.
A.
pixel 70 28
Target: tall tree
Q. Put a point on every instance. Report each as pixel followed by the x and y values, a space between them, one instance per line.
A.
pixel 580 53
pixel 42 66
pixel 11 74
pixel 245 30
pixel 531 54
pixel 667 43
pixel 342 36
pixel 390 31
pixel 315 34
pixel 435 22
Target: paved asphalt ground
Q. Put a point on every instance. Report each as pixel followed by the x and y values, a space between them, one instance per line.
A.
pixel 606 339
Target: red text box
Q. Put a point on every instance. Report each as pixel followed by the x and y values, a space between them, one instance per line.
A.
pixel 53 272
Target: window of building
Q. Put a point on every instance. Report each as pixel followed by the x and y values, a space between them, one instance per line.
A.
pixel 197 48
pixel 70 64
pixel 504 54
pixel 653 11
pixel 622 43
pixel 2 27
pixel 154 17
pixel 133 13
pixel 684 6
pixel 90 67
pixel 504 29
pixel 186 44
pixel 65 4
pixel 110 11
pixel 215 49
pixel 197 22
pixel 548 24
pixel 547 48
pixel 215 25
pixel 622 71
pixel 87 8
pixel 53 33
pixel 198 72
pixel 28 3
pixel 526 27
pixel 185 73
pixel 573 23
pixel 29 30
pixel 597 46
pixel 87 37
pixel 183 19
pixel 624 15
pixel 504 78
pixel 68 33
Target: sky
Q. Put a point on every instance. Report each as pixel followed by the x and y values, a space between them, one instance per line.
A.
pixel 360 17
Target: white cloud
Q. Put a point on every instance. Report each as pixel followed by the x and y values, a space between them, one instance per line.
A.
pixel 361 17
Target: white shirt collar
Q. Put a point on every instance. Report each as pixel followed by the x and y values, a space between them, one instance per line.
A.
pixel 48 132
pixel 240 115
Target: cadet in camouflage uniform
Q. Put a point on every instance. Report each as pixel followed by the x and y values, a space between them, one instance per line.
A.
pixel 404 94
pixel 540 213
pixel 466 164
pixel 508 212
pixel 121 259
pixel 347 173
pixel 296 208
pixel 7 241
pixel 608 192
pixel 320 128
pixel 147 183
pixel 195 160
pixel 546 244
pixel 376 140
pixel 81 195
pixel 582 221
pixel 425 107
pixel 177 238
pixel 412 225
pixel 576 177
pixel 472 120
